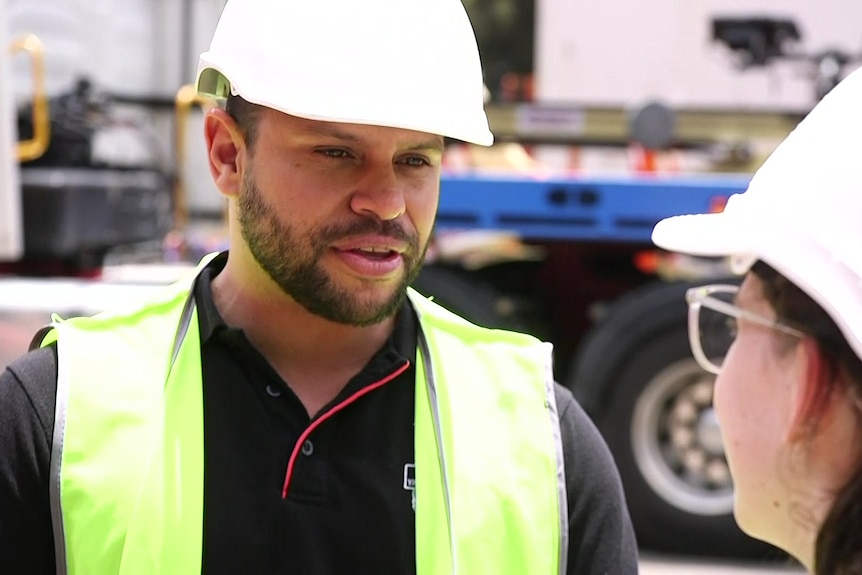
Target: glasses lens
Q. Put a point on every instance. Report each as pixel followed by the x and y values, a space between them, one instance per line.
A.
pixel 717 329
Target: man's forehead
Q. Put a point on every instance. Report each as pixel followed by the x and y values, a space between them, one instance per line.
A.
pixel 359 133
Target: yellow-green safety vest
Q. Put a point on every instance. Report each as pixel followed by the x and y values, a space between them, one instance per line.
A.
pixel 127 463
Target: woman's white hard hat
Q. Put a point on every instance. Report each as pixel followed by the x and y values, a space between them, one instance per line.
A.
pixel 801 213
pixel 411 64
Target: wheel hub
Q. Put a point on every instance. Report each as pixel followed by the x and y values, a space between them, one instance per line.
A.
pixel 708 433
pixel 677 443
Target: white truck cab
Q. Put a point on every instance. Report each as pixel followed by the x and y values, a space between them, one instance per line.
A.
pixel 11 238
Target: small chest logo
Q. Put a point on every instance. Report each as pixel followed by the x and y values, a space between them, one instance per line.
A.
pixel 410 482
pixel 410 476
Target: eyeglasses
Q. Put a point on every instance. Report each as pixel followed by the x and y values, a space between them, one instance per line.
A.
pixel 712 323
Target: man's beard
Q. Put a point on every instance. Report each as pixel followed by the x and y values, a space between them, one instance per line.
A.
pixel 293 260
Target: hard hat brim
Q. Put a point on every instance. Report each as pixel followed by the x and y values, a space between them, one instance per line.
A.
pixel 798 257
pixel 212 81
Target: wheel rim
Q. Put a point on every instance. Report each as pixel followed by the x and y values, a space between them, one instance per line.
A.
pixel 676 442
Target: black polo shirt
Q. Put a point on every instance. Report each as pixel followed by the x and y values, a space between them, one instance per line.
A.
pixel 289 493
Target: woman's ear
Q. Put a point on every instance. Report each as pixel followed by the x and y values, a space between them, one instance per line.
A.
pixel 813 382
pixel 226 151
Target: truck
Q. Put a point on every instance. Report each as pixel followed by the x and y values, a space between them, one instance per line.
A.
pixel 537 235
pixel 63 206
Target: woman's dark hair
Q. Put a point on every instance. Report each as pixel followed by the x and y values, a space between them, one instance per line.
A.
pixel 246 115
pixel 838 549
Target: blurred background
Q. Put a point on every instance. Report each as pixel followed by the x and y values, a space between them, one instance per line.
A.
pixel 608 116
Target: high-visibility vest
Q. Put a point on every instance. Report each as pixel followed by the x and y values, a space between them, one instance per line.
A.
pixel 127 465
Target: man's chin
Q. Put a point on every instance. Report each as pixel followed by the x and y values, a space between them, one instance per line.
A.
pixel 374 309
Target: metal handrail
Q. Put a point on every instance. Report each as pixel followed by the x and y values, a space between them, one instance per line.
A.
pixel 35 147
pixel 187 97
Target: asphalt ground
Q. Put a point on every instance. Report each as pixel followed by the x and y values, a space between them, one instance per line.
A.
pixel 653 564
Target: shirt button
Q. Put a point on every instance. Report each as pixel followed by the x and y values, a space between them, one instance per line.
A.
pixel 307 447
pixel 273 390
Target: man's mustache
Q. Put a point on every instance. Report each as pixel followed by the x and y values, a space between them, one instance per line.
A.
pixel 363 226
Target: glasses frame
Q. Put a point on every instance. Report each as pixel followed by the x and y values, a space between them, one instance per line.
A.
pixel 703 296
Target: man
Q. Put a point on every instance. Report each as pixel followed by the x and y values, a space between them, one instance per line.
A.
pixel 293 407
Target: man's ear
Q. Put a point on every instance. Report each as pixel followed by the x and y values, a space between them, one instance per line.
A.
pixel 813 383
pixel 226 151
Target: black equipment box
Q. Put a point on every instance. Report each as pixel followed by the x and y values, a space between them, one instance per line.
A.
pixel 73 210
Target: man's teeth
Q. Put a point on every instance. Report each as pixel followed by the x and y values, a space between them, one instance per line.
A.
pixel 375 250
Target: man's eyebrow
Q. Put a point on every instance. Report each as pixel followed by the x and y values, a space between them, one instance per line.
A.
pixel 334 132
pixel 433 144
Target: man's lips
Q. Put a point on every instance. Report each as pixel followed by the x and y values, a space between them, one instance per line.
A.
pixel 373 245
pixel 376 257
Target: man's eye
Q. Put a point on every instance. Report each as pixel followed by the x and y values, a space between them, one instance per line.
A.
pixel 416 161
pixel 334 153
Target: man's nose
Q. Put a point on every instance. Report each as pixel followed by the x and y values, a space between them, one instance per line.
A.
pixel 379 194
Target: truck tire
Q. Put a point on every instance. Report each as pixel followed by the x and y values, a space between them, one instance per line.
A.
pixel 636 377
pixel 465 295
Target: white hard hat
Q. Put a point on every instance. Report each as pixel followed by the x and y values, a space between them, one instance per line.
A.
pixel 801 214
pixel 410 64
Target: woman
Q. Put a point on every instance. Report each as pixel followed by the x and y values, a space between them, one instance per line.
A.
pixel 787 343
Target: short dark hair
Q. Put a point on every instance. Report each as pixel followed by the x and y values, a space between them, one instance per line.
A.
pixel 246 115
pixel 798 309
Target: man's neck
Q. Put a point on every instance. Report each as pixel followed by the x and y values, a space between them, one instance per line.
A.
pixel 316 357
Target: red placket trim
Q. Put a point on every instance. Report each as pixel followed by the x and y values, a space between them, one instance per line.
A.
pixel 332 411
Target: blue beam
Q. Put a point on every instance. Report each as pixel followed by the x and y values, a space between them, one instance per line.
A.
pixel 583 208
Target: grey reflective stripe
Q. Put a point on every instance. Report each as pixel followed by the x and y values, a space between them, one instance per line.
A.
pixel 562 499
pixel 182 330
pixel 438 429
pixel 60 410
